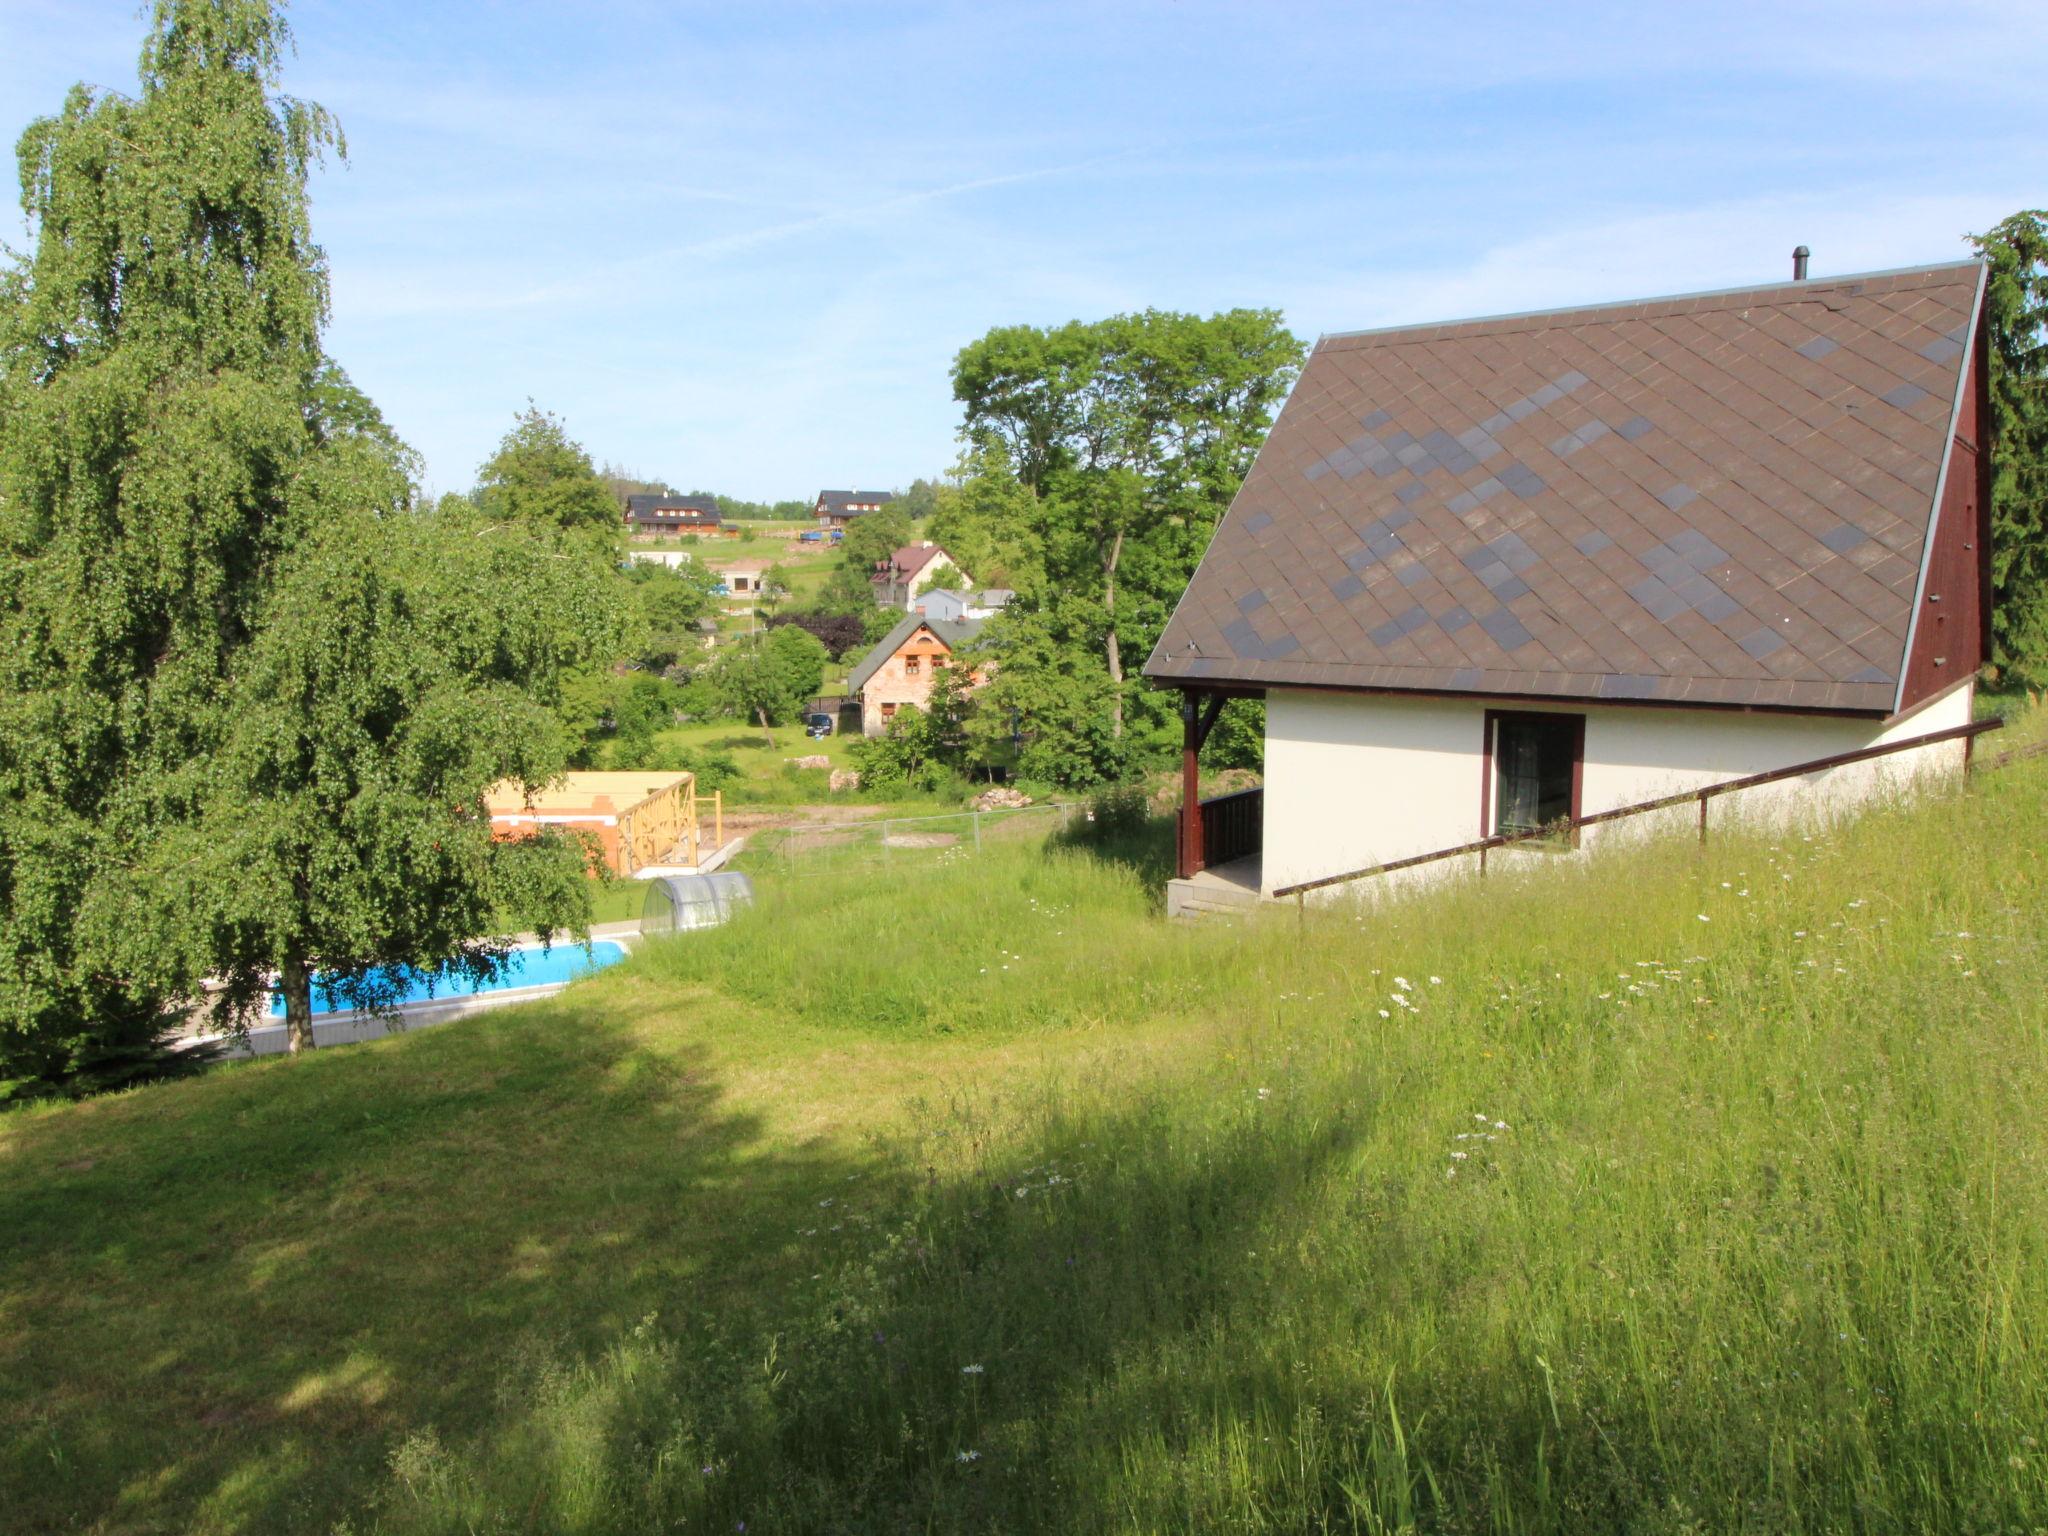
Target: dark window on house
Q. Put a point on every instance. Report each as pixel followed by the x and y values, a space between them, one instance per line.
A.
pixel 1535 770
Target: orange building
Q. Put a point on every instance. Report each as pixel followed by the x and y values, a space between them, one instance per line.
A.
pixel 899 670
pixel 637 818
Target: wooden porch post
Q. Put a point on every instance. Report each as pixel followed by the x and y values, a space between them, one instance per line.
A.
pixel 1190 785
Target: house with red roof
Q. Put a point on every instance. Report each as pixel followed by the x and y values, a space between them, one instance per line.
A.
pixel 911 571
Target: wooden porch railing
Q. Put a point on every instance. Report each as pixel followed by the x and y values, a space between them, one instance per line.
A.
pixel 1232 826
pixel 1963 733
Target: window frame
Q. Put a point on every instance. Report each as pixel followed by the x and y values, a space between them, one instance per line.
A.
pixel 1489 780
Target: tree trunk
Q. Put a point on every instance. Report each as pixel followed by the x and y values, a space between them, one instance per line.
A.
pixel 297 980
pixel 1116 660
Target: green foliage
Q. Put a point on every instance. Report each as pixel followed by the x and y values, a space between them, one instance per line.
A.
pixel 611 717
pixel 541 477
pixel 870 539
pixel 403 664
pixel 1130 436
pixel 842 635
pixel 1755 1246
pixel 166 416
pixel 986 518
pixel 239 665
pixel 1119 812
pixel 669 601
pixel 714 769
pixel 1238 738
pixel 770 678
pixel 2017 300
pixel 920 501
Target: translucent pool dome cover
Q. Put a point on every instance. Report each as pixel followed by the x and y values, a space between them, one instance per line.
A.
pixel 677 902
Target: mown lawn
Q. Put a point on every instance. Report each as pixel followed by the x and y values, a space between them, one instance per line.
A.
pixel 1682 1192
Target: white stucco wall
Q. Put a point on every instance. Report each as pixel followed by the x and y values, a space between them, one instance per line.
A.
pixel 1354 780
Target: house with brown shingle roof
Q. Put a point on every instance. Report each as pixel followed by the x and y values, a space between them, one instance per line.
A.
pixel 1493 573
pixel 910 571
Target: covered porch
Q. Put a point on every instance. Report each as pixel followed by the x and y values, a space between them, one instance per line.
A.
pixel 1217 841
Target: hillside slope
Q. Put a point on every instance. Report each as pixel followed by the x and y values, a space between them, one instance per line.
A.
pixel 1688 1191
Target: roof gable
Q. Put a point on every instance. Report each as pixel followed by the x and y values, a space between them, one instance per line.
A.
pixel 950 633
pixel 1721 499
pixel 839 501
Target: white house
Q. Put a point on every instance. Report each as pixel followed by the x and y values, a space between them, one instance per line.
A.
pixel 911 571
pixel 947 603
pixel 1495 574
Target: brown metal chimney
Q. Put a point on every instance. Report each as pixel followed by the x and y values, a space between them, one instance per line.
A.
pixel 1799 256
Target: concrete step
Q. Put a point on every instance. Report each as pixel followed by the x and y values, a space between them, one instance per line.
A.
pixel 1215 898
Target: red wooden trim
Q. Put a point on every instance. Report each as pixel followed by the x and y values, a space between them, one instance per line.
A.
pixel 1981 361
pixel 1798 770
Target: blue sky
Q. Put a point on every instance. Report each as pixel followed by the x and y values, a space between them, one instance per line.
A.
pixel 736 245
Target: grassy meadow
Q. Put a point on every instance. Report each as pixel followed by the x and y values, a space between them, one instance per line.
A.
pixel 1686 1191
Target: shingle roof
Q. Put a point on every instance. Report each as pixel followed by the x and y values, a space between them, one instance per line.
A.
pixel 907 561
pixel 952 633
pixel 646 504
pixel 836 501
pixel 1721 499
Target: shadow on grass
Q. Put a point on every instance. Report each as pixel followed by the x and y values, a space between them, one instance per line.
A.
pixel 1142 847
pixel 223 1302
pixel 1095 1340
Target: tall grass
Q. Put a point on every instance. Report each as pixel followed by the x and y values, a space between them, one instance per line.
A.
pixel 1683 1192
pixel 1678 1191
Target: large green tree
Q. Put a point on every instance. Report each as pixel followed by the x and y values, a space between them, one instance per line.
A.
pixel 1130 436
pixel 541 476
pixel 236 664
pixel 2017 250
pixel 403 663
pixel 770 678
pixel 163 396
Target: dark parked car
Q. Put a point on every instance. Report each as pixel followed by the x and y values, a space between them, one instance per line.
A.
pixel 817 725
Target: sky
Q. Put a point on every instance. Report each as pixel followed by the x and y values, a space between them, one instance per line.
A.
pixel 735 246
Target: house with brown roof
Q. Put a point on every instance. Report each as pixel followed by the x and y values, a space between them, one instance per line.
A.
pixel 652 514
pixel 1495 574
pixel 899 671
pixel 835 509
pixel 910 571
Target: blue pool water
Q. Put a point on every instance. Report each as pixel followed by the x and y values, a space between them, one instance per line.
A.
pixel 524 968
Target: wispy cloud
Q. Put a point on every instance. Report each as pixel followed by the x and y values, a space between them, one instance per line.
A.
pixel 738 245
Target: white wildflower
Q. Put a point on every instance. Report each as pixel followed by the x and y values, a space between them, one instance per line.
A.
pixel 970 1370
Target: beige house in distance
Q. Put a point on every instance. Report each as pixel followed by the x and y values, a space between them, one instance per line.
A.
pixel 899 670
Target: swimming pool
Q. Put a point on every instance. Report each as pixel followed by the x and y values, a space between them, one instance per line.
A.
pixel 530 966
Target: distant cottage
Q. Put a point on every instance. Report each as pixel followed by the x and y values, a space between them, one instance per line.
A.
pixel 835 509
pixel 1492 574
pixel 946 603
pixel 651 514
pixel 910 571
pixel 899 671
